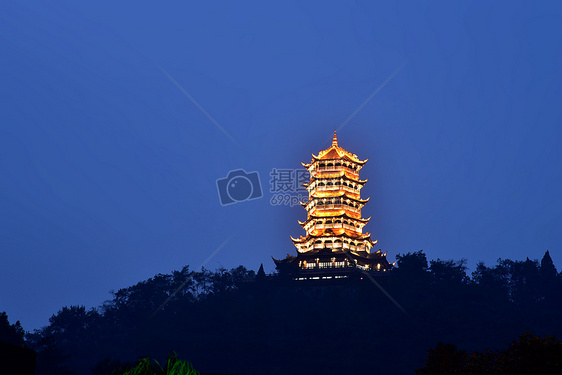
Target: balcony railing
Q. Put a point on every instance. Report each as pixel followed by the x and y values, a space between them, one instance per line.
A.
pixel 337 187
pixel 335 168
pixel 338 265
pixel 329 206
pixel 338 245
pixel 335 226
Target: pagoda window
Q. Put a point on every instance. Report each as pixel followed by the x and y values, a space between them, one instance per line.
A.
pixel 329 183
pixel 330 164
pixel 337 183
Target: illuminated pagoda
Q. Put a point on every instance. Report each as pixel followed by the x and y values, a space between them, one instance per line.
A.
pixel 335 245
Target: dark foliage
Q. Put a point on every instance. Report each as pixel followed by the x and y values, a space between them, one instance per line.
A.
pixel 16 360
pixel 234 321
pixel 11 333
pixel 530 355
pixel 110 366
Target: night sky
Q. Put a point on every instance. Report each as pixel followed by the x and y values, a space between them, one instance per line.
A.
pixel 116 120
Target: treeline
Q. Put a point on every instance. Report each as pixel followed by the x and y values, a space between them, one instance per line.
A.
pixel 528 355
pixel 237 322
pixel 11 333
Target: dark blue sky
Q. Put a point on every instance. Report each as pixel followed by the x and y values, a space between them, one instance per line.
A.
pixel 108 170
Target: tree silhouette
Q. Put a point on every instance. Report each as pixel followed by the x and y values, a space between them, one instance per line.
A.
pixel 445 359
pixel 412 264
pixel 50 358
pixel 525 282
pixel 548 270
pixel 11 333
pixel 528 355
pixel 449 271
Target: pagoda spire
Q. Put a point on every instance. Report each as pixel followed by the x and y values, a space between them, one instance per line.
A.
pixel 335 140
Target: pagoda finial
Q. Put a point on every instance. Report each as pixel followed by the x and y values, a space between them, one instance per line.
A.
pixel 335 140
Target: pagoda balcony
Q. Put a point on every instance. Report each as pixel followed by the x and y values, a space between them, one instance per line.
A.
pixel 335 188
pixel 318 266
pixel 338 246
pixel 338 168
pixel 335 226
pixel 339 206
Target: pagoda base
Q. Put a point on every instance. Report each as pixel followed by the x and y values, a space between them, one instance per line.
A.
pixel 329 264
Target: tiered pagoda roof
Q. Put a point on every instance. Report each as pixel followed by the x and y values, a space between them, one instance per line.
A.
pixel 335 153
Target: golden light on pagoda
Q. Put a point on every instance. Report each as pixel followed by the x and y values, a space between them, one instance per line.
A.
pixel 334 191
pixel 334 224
